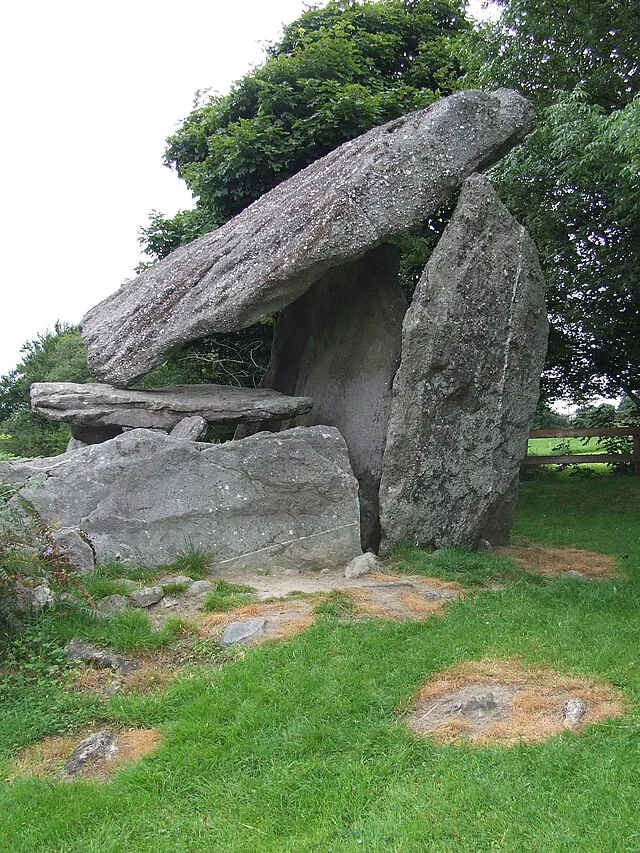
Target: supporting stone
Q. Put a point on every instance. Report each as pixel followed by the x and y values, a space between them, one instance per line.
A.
pixel 473 347
pixel 279 501
pixel 339 343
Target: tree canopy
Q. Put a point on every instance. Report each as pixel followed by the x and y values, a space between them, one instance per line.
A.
pixel 575 182
pixel 337 72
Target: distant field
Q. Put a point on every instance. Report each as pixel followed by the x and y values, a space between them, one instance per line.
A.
pixel 563 446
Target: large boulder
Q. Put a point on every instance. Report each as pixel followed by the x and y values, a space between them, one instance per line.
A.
pixel 93 408
pixel 368 190
pixel 270 501
pixel 339 343
pixel 473 347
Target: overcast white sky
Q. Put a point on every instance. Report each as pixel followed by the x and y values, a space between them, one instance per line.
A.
pixel 89 93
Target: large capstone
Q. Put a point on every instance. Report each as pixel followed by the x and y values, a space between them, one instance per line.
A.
pixel 339 343
pixel 368 190
pixel 279 501
pixel 473 347
pixel 93 409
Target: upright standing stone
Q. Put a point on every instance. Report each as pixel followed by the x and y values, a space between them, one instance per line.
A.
pixel 473 347
pixel 339 343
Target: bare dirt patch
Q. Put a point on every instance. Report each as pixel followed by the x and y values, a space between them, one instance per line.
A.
pixel 554 562
pixel 389 597
pixel 48 756
pixel 502 703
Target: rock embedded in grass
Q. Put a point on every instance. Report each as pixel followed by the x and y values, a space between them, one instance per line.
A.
pixel 147 596
pixel 113 604
pixel 245 632
pixel 95 749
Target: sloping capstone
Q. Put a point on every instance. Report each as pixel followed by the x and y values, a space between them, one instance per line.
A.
pixel 473 347
pixel 339 343
pixel 366 191
pixel 279 501
pixel 93 408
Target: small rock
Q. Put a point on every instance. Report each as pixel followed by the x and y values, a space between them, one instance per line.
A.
pixel 82 652
pixel 169 602
pixel 93 750
pixel 575 575
pixel 34 597
pixel 113 604
pixel 362 565
pixel 484 546
pixel 198 588
pixel 573 711
pixel 190 429
pixel 479 706
pixel 242 632
pixel 147 596
pixel 76 549
pixel 113 687
pixel 291 572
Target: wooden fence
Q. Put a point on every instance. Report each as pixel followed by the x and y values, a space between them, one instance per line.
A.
pixel 584 458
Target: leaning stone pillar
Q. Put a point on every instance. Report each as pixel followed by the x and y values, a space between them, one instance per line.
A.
pixel 473 347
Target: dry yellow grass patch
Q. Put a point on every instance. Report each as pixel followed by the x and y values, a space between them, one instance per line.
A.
pixel 529 703
pixel 48 756
pixel 552 562
pixel 284 618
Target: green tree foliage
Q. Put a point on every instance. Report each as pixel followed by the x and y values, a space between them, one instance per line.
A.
pixel 337 72
pixel 575 182
pixel 57 356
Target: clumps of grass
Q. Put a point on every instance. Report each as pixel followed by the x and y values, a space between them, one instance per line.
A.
pixel 116 569
pixel 227 596
pixel 471 568
pixel 193 561
pixel 175 588
pixel 337 604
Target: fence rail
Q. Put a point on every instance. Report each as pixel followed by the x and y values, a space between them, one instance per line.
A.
pixel 586 458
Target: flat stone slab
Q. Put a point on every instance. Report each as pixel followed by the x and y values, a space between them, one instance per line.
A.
pixel 244 632
pixel 97 405
pixel 366 191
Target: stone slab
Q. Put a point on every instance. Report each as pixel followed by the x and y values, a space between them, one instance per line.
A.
pixel 287 500
pixel 366 191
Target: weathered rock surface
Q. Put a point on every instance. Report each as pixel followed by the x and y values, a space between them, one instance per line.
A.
pixel 113 604
pixel 36 597
pixel 474 342
pixel 98 409
pixel 78 552
pixel 270 501
pixel 358 196
pixel 83 652
pixel 95 749
pixel 339 343
pixel 573 712
pixel 245 632
pixel 193 428
pixel 147 596
pixel 363 564
pixel 199 588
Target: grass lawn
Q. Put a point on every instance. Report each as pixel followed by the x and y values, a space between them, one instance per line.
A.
pixel 298 746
